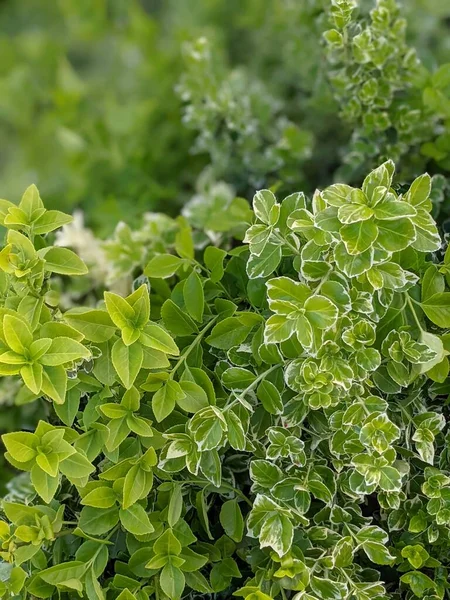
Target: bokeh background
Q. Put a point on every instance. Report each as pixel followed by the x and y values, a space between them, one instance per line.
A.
pixel 123 106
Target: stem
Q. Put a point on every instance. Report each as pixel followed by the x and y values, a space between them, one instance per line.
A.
pixel 223 484
pixel 322 281
pixel 63 532
pixel 92 560
pixel 189 349
pixel 218 283
pixel 284 241
pixel 413 311
pixel 254 383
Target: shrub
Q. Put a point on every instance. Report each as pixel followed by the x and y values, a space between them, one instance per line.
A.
pixel 265 419
pixel 390 99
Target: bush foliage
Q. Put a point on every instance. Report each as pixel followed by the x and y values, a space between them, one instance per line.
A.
pixel 249 399
pixel 264 418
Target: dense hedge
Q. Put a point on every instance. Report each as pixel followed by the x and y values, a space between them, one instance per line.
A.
pixel 265 419
pixel 249 398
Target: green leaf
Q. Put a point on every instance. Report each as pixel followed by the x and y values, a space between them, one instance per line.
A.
pixel 137 483
pixel 93 588
pixel 184 244
pixel 198 582
pixel 437 309
pixel 343 552
pixel 31 201
pixel 432 282
pixel 337 194
pixel 21 445
pixel 118 432
pixel 232 520
pixel 391 210
pixel 419 582
pixel 285 295
pixel 193 295
pixel 17 579
pixel 396 235
pixel 164 400
pixel 62 261
pixel 419 192
pixel 378 553
pixel 263 203
pixel 76 466
pixel 58 574
pixel 416 554
pixel 54 383
pixel 328 589
pixel 135 520
pixel 63 350
pixel 121 312
pixel 213 258
pixel 176 320
pixel 49 221
pixel 172 581
pixel 277 532
pixel 139 300
pixel 127 361
pixel 278 329
pixel 175 505
pixel 101 497
pixel 359 237
pixel 195 397
pixel 48 463
pixel 17 334
pixel 167 544
pixel 390 479
pixel 381 176
pixel 270 397
pixel 237 378
pixel 235 433
pixel 353 213
pixel 44 484
pixel 192 560
pixel 163 266
pixel 427 234
pixel 353 265
pixel 265 264
pixel 321 312
pixel 228 333
pixel 97 521
pixel 95 325
pixel 222 573
pixel 154 336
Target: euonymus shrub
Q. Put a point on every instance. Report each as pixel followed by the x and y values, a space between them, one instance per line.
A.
pixel 264 420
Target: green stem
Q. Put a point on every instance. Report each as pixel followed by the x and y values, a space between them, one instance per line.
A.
pixel 63 532
pixel 223 484
pixel 189 349
pixel 254 383
pixel 322 281
pixel 92 560
pixel 218 283
pixel 284 241
pixel 409 301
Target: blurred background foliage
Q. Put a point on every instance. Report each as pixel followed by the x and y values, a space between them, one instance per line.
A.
pixel 116 108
